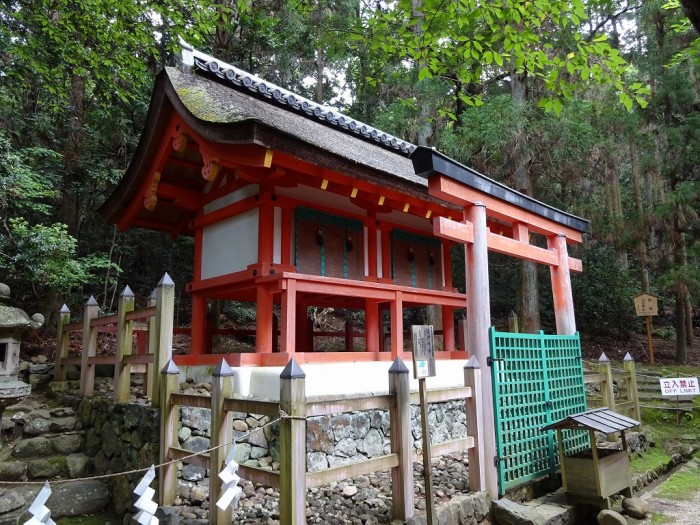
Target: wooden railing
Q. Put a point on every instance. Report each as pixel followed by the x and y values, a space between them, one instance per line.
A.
pixel 349 333
pixel 293 409
pixel 627 401
pixel 153 327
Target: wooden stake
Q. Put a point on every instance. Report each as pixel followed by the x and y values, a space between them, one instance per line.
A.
pixel 401 442
pixel 87 370
pixel 293 445
pixel 427 467
pixel 651 346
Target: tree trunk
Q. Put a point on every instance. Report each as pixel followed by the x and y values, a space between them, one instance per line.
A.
pixel 641 219
pixel 681 342
pixel 688 306
pixel 425 128
pixel 70 206
pixel 528 292
pixel 678 240
pixel 618 216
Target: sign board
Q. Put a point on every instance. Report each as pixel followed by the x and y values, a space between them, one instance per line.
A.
pixel 646 304
pixel 423 351
pixel 679 386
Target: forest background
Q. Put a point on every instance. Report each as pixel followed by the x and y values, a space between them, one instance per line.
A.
pixel 592 106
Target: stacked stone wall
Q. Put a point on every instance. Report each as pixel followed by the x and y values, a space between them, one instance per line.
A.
pixel 117 438
pixel 331 440
pixel 123 437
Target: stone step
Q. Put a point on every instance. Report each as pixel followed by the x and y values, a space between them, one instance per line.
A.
pixel 550 510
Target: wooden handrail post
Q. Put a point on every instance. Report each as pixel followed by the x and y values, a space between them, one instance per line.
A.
pixel 165 311
pixel 401 442
pixel 221 438
pixel 169 422
pixel 62 341
pixel 125 332
pixel 87 371
pixel 633 394
pixel 293 445
pixel 475 421
pixel 513 322
pixel 607 389
pixel 149 384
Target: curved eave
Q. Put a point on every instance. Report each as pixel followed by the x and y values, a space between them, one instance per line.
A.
pixel 430 163
pixel 159 111
pixel 313 143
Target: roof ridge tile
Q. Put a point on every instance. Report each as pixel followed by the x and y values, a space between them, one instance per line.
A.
pixel 242 80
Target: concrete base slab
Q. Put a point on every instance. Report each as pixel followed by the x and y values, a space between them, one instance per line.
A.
pixel 329 379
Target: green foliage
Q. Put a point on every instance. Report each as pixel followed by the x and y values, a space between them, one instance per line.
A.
pixel 45 256
pixel 603 294
pixel 654 459
pixel 682 27
pixel 684 482
pixel 239 312
pixel 26 184
pixel 472 41
pixel 109 43
pixel 482 139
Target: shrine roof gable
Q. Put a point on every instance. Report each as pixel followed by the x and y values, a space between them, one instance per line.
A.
pixel 224 105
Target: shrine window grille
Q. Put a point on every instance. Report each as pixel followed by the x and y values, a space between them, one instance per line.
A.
pixel 329 245
pixel 416 260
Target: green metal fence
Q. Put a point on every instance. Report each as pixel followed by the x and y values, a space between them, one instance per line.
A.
pixel 537 380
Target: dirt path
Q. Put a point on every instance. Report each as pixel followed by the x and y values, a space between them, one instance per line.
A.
pixel 680 512
pixel 683 512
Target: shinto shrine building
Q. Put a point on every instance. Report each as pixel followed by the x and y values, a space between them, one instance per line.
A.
pixel 291 203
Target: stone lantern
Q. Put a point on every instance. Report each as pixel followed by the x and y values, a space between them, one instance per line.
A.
pixel 13 322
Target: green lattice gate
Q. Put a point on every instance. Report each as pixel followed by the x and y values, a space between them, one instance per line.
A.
pixel 537 380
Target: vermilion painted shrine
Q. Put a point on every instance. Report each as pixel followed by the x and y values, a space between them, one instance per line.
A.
pixel 291 203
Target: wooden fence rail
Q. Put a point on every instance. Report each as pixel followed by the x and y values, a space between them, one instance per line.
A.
pixel 152 325
pixel 606 377
pixel 293 409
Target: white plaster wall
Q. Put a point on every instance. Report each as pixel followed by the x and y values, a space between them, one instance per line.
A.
pixel 230 198
pixel 277 242
pixel 230 245
pixel 330 379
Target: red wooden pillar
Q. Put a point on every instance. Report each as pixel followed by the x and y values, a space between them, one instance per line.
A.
pixel 372 325
pixel 397 326
pixel 447 265
pixel 479 321
pixel 386 254
pixel 561 287
pixel 289 315
pixel 198 343
pixel 263 321
pixel 448 329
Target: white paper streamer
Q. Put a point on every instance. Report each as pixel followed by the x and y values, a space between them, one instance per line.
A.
pixel 230 491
